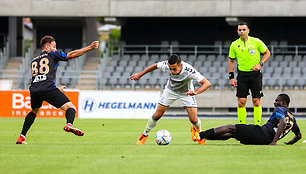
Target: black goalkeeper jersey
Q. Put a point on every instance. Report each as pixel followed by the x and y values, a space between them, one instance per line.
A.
pixel 44 68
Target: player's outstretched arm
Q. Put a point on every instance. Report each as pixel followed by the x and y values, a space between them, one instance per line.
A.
pixel 280 129
pixel 137 76
pixel 205 85
pixel 80 52
pixel 295 139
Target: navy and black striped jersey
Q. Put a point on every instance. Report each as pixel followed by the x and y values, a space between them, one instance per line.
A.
pixel 44 68
pixel 271 126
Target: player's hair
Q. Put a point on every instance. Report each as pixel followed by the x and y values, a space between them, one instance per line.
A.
pixel 173 59
pixel 285 98
pixel 243 23
pixel 46 39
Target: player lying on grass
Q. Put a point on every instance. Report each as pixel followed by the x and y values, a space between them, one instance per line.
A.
pixel 179 86
pixel 278 126
pixel 43 87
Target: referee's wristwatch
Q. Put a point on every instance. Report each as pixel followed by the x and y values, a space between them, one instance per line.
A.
pixel 261 64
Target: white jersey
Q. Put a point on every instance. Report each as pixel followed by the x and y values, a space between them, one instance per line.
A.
pixel 182 82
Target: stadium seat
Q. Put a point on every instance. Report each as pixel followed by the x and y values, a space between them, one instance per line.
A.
pixel 116 74
pixel 287 71
pixel 278 70
pixel 120 69
pixel 283 64
pixel 297 70
pixel 112 82
pixel 293 64
pixel 212 69
pixel 298 58
pixel 192 58
pixel 202 57
pixel 138 69
pixel 135 58
pixel 144 57
pixel 288 58
pixel 216 64
pixel 211 58
pixel 272 82
pixel 274 43
pixel 291 83
pixel 302 64
pixel 132 63
pixel 123 62
pixel 301 83
pixel 207 64
pixel 142 64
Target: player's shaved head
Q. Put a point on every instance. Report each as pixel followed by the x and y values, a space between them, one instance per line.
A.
pixel 285 98
pixel 173 59
pixel 46 39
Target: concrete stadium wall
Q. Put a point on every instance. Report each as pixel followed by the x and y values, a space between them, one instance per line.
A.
pixel 156 8
pixel 227 99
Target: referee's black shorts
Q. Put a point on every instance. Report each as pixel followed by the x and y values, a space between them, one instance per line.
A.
pixel 54 97
pixel 249 81
pixel 251 134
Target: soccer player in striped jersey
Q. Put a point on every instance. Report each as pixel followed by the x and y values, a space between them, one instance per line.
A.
pixel 179 86
pixel 43 87
pixel 277 127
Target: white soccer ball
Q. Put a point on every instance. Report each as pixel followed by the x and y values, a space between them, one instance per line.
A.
pixel 162 137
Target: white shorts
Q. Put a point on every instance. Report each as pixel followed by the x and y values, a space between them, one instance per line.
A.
pixel 169 96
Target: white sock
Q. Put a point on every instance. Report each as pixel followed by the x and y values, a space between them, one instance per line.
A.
pixel 151 124
pixel 198 125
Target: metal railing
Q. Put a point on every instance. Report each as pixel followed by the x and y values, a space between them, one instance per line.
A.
pixel 281 83
pixel 4 55
pixel 121 49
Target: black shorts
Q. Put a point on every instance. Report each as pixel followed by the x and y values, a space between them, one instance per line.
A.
pixel 54 97
pixel 251 134
pixel 249 81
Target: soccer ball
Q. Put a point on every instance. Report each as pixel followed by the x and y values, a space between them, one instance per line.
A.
pixel 162 137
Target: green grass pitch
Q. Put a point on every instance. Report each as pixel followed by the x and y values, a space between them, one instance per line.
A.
pixel 108 146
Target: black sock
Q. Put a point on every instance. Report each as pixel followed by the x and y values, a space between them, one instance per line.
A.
pixel 70 115
pixel 208 134
pixel 28 121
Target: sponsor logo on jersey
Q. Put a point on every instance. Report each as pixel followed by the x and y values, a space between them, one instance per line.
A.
pixel 40 78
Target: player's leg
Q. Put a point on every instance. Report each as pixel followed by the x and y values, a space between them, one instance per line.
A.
pixel 167 98
pixel 257 110
pixel 256 89
pixel 152 122
pixel 196 125
pixel 70 112
pixel 190 104
pixel 241 110
pixel 219 133
pixel 60 100
pixel 70 115
pixel 36 103
pixel 242 93
pixel 28 121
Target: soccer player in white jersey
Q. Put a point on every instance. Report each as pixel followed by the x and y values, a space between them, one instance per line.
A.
pixel 179 86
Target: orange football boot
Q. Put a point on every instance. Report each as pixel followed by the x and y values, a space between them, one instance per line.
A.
pixel 195 136
pixel 142 139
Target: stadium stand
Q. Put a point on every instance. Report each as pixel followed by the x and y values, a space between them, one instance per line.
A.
pixel 282 71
